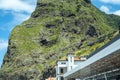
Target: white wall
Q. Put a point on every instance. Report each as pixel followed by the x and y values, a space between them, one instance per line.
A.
pixel 70 62
pixel 76 63
pixel 61 64
pixel 67 65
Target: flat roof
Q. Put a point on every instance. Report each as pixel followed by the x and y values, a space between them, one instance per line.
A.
pixel 109 49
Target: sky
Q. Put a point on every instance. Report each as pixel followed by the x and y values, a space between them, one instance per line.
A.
pixel 14 12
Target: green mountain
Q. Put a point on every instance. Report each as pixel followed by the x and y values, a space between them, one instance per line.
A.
pixel 56 27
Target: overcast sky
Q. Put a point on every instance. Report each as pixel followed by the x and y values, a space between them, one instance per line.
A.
pixel 14 12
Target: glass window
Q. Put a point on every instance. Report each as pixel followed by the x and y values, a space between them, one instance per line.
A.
pixel 63 63
pixel 61 70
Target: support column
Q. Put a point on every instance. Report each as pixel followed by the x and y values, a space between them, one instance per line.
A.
pixel 58 70
pixel 105 76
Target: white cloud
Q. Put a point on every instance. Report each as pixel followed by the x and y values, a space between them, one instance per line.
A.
pixel 20 17
pixel 111 1
pixel 19 9
pixel 3 44
pixel 105 9
pixel 117 12
pixel 17 19
pixel 17 5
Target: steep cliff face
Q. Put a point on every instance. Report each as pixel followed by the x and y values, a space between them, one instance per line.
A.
pixel 55 28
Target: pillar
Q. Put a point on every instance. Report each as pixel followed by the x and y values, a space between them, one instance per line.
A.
pixel 105 76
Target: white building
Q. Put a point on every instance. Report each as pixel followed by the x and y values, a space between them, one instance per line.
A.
pixel 65 65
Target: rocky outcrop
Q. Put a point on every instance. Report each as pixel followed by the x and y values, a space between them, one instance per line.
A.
pixel 55 28
pixel 91 31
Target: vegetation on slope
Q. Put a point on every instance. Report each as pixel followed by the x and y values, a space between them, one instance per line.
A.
pixel 55 28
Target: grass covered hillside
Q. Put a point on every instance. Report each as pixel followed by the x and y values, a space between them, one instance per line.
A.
pixel 55 28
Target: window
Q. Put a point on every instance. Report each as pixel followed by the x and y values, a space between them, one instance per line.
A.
pixel 62 78
pixel 63 63
pixel 61 70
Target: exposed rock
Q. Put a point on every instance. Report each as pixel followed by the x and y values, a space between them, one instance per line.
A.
pixel 55 28
pixel 43 42
pixel 91 31
pixel 70 15
pixel 50 26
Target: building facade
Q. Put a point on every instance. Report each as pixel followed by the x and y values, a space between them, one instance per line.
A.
pixel 65 65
